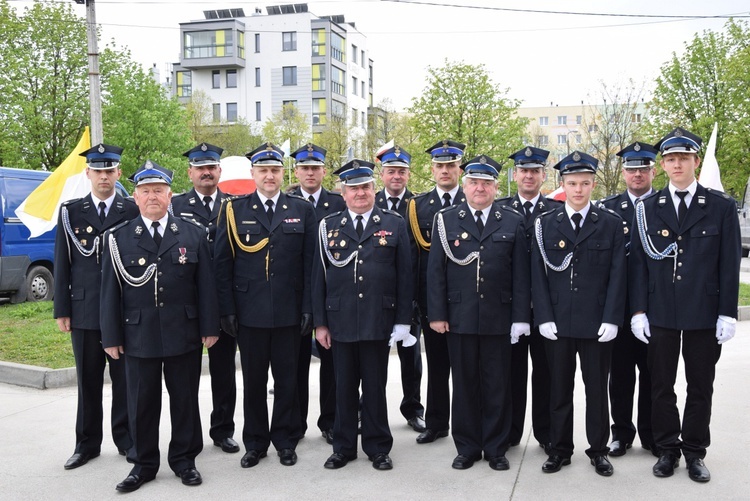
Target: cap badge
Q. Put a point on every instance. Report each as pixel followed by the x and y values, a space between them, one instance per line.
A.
pixel 482 160
pixel 576 157
pixel 637 147
pixel 149 165
pixel 528 152
pixel 101 148
pixel 355 164
pixel 397 151
pixel 445 143
pixel 204 147
pixel 678 133
pixel 310 147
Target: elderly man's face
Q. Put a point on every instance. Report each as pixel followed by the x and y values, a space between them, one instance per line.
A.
pixel 153 200
pixel 360 198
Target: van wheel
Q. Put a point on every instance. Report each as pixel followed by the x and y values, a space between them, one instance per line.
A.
pixel 40 285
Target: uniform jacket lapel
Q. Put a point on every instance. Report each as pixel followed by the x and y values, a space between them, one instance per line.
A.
pixel 468 222
pixel 697 209
pixel 667 211
pixel 169 239
pixel 279 211
pixel 143 236
pixel 260 211
pixel 564 224
pixel 373 224
pixel 493 222
pixel 589 224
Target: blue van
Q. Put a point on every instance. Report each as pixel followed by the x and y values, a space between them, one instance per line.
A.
pixel 26 266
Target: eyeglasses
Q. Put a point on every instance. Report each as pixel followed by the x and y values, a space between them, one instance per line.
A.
pixel 640 170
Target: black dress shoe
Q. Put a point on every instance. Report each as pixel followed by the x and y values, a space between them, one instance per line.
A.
pixel 417 424
pixel 287 457
pixel 499 463
pixel 251 458
pixel 462 462
pixel 78 459
pixel 336 461
pixel 428 436
pixel 555 463
pixel 618 448
pixel 697 470
pixel 190 476
pixel 665 466
pixel 602 466
pixel 328 435
pixel 381 461
pixel 133 483
pixel 227 444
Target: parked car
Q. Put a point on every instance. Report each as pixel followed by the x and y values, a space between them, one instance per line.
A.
pixel 744 215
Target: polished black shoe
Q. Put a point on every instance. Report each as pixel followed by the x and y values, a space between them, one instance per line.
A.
pixel 462 462
pixel 602 466
pixel 499 463
pixel 697 470
pixel 428 436
pixel 417 424
pixel 381 461
pixel 251 458
pixel 618 448
pixel 336 461
pixel 328 435
pixel 190 476
pixel 287 457
pixel 227 445
pixel 133 483
pixel 555 463
pixel 665 466
pixel 78 459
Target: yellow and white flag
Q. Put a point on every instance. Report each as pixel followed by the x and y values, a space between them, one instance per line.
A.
pixel 39 211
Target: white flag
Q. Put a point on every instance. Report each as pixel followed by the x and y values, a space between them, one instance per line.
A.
pixel 710 177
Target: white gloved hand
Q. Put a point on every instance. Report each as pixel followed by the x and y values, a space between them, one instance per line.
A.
pixel 725 328
pixel 518 329
pixel 401 333
pixel 548 330
pixel 640 328
pixel 607 332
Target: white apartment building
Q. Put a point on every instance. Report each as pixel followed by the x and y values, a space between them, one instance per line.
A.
pixel 252 65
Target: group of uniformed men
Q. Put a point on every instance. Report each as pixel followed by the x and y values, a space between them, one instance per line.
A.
pixel 487 282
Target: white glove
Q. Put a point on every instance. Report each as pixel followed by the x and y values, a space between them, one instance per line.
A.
pixel 548 330
pixel 518 329
pixel 401 333
pixel 640 328
pixel 725 327
pixel 607 332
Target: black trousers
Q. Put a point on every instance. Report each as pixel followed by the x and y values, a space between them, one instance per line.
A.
pixel 437 414
pixel 279 348
pixel 221 365
pixel 628 353
pixel 595 359
pixel 365 362
pixel 540 380
pixel 327 381
pixel 182 378
pixel 481 393
pixel 91 361
pixel 700 352
pixel 411 376
pixel 303 380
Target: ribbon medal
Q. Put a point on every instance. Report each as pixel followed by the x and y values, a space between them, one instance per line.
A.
pixel 183 257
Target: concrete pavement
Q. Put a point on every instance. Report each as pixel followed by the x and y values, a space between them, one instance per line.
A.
pixel 37 436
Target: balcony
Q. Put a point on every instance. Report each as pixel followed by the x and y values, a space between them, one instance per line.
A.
pixel 212 44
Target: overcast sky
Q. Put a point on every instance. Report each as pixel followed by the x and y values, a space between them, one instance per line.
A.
pixel 542 57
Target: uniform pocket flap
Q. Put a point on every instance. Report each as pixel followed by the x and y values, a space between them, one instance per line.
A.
pixel 332 304
pixel 599 244
pixel 454 297
pixel 503 237
pixel 389 302
pixel 293 228
pixel 191 311
pixel 132 317
pixel 704 232
pixel 241 286
pixel 77 294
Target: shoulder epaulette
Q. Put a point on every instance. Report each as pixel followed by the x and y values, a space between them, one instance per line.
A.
pixel 299 197
pixel 446 209
pixel 718 193
pixel 392 212
pixel 118 226
pixel 329 216
pixel 504 200
pixel 609 198
pixel 190 220
pixel 72 201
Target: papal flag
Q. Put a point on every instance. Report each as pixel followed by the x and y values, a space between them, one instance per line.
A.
pixel 39 211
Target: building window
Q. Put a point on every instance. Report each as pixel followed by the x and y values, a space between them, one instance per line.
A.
pixel 318 77
pixel 319 111
pixel 257 111
pixel 217 112
pixel 363 120
pixel 579 139
pixel 354 85
pixel 257 77
pixel 636 118
pixel 286 103
pixel 257 42
pixel 543 140
pixel 363 89
pixel 562 120
pixel 319 42
pixel 593 128
pixel 184 83
pixel 214 43
pixel 354 117
pixel 369 100
pixel 231 112
pixel 338 109
pixel 354 54
pixel 338 84
pixel 370 78
pixel 338 47
pixel 241 44
pixel 231 79
pixel 562 138
pixel 362 59
pixel 543 121
pixel 216 79
pixel 579 119
pixel 289 40
pixel 289 75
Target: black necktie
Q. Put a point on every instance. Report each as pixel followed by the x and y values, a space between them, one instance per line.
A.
pixel 682 208
pixel 102 208
pixel 157 236
pixel 446 200
pixel 527 209
pixel 312 200
pixel 359 227
pixel 480 223
pixel 394 202
pixel 207 204
pixel 577 218
pixel 269 211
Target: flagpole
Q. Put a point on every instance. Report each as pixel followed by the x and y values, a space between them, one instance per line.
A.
pixel 95 95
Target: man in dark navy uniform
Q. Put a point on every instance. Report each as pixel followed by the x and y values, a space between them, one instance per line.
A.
pixel 395 163
pixel 684 285
pixel 638 161
pixel 578 285
pixel 529 174
pixel 158 310
pixel 78 248
pixel 203 203
pixel 478 296
pixel 310 169
pixel 420 213
pixel 362 295
pixel 263 256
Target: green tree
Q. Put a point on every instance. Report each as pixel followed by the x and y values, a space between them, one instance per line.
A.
pixel 335 139
pixel 288 123
pixel 235 138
